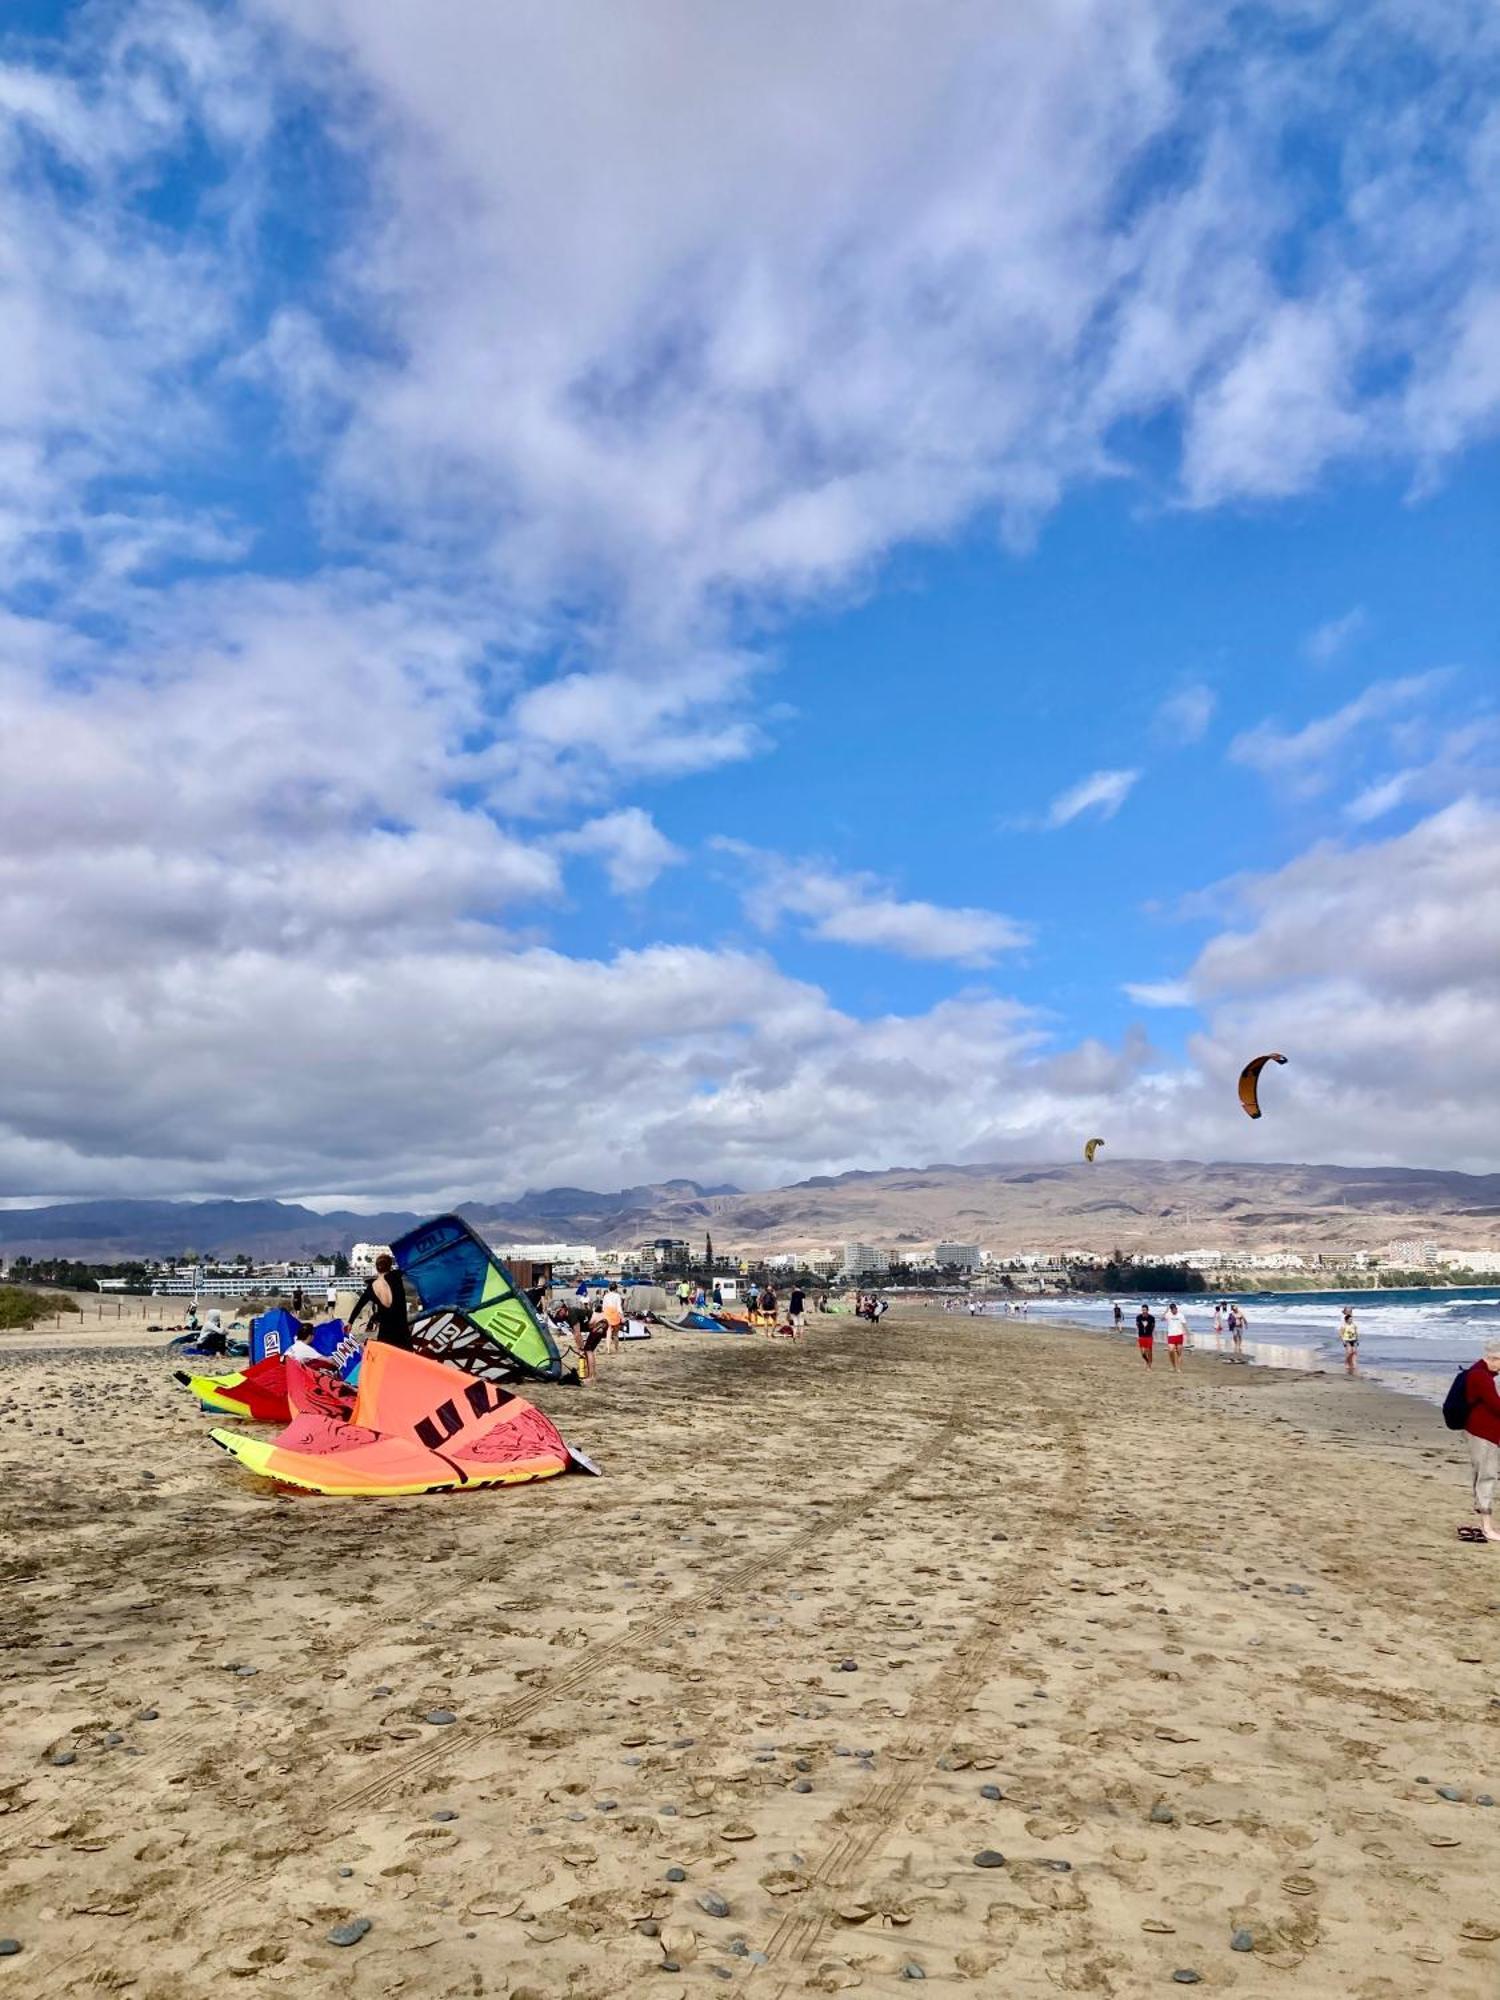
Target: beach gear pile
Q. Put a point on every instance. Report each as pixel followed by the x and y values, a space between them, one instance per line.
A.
pixel 380 1420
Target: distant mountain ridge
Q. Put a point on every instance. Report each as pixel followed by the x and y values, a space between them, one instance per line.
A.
pixel 1160 1205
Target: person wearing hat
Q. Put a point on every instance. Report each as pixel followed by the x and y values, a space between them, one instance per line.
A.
pixel 1483 1426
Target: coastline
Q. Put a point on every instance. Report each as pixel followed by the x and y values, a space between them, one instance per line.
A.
pixel 1203 1636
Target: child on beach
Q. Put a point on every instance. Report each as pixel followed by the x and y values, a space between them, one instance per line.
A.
pixel 1349 1335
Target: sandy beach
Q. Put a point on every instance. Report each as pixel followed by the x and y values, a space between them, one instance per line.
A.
pixel 1194 1657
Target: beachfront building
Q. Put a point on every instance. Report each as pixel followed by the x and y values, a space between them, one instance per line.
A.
pixel 1412 1254
pixel 863 1260
pixel 207 1284
pixel 362 1259
pixel 956 1256
pixel 568 1260
pixel 667 1253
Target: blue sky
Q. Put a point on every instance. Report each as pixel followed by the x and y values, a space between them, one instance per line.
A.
pixel 743 594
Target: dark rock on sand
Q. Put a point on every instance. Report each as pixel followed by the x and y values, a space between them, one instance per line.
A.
pixel 989 1857
pixel 712 1904
pixel 440 1717
pixel 350 1932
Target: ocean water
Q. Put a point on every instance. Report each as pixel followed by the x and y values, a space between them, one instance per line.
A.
pixel 1410 1340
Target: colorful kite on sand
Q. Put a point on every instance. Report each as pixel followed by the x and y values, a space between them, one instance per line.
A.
pixel 473 1314
pixel 416 1426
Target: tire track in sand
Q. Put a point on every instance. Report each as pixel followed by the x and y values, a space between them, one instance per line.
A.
pixel 383 1787
pixel 871 1821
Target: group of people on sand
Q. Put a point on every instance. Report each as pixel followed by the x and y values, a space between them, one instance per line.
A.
pixel 1227 1319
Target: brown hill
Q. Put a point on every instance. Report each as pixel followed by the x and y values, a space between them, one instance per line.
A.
pixel 1159 1205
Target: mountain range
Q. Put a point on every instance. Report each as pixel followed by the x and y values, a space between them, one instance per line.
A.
pixel 1163 1206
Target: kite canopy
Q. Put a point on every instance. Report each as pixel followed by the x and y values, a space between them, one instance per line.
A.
pixel 416 1427
pixel 272 1333
pixel 1250 1082
pixel 455 1274
pixel 1091 1146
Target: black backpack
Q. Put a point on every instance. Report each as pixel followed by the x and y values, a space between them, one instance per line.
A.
pixel 1456 1402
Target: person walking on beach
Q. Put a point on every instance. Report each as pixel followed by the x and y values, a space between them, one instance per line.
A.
pixel 612 1305
pixel 1145 1334
pixel 1482 1422
pixel 1349 1335
pixel 385 1295
pixel 1176 1334
pixel 1119 1315
pixel 1237 1332
pixel 796 1312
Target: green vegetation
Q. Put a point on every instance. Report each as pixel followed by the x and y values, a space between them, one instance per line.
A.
pixel 20 1308
pixel 1118 1275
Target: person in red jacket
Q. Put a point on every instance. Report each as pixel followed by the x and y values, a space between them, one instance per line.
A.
pixel 1483 1426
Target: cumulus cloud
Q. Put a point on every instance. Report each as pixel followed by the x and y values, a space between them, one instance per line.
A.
pixel 859 909
pixel 1160 993
pixel 369 500
pixel 1102 792
pixel 631 845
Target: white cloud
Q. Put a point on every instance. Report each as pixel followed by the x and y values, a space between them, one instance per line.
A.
pixel 858 909
pixel 1336 635
pixel 628 340
pixel 1161 993
pixel 1299 757
pixel 632 847
pixel 1103 792
pixel 1184 716
pixel 1375 801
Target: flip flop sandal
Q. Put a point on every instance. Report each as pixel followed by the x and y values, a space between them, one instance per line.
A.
pixel 1471 1535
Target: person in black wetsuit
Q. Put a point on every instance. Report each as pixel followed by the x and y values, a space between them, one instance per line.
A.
pixel 386 1297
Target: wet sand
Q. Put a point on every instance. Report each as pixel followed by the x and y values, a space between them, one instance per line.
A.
pixel 1203 1636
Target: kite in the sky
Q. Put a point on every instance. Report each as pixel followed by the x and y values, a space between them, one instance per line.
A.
pixel 1090 1148
pixel 416 1427
pixel 1250 1082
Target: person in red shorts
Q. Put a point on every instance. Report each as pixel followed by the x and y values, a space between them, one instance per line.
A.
pixel 1176 1334
pixel 1145 1334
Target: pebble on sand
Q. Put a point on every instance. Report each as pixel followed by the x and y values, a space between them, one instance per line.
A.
pixel 350 1932
pixel 991 1792
pixel 989 1857
pixel 9 1947
pixel 1242 1941
pixel 1185 1976
pixel 440 1717
pixel 445 1813
pixel 62 1758
pixel 1163 1816
pixel 676 1874
pixel 712 1904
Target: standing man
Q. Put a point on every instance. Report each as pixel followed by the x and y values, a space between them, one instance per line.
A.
pixel 1119 1315
pixel 1176 1334
pixel 297 1302
pixel 331 1297
pixel 385 1295
pixel 796 1311
pixel 1482 1423
pixel 1145 1334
